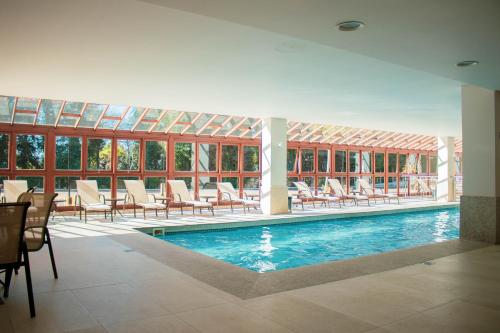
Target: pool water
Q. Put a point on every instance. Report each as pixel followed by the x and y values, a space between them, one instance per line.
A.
pixel 282 246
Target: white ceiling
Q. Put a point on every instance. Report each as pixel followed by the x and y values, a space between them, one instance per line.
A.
pixel 138 53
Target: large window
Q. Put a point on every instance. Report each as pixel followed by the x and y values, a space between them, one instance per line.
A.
pixel 366 166
pixel 127 153
pixel 188 180
pixel 232 180
pixel 36 182
pixel 402 163
pixel 184 156
pixel 207 159
pixel 65 187
pixel 291 160
pixel 340 161
pixel 4 151
pixel 68 153
pixel 155 185
pixel 251 158
pixel 99 154
pixel 155 156
pixel 30 152
pixel 423 164
pixel 411 163
pixel 307 160
pixel 379 162
pixel 392 160
pixel 229 158
pixel 323 160
pixel 354 161
pixel 434 164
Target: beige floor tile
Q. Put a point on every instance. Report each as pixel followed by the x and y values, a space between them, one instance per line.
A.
pixel 453 317
pixel 163 324
pixel 230 318
pixel 176 295
pixel 115 303
pixel 55 312
pixel 95 329
pixel 303 316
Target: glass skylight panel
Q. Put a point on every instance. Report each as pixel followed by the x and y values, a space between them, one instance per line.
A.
pixel 107 123
pixel 144 126
pixel 229 126
pixel 217 122
pixel 202 120
pixel 177 128
pixel 133 114
pixel 67 121
pixel 27 103
pixel 115 110
pixel 6 105
pixel 153 114
pixel 73 107
pixel 24 118
pixel 49 109
pixel 91 115
pixel 166 121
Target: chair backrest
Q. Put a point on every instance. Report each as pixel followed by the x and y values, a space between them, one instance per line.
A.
pixel 179 190
pixel 423 186
pixel 88 192
pixel 226 188
pixel 163 190
pixel 304 189
pixel 365 187
pixel 13 220
pixel 336 187
pixel 37 217
pixel 14 188
pixel 137 189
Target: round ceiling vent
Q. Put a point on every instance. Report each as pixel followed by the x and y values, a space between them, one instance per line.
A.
pixel 351 25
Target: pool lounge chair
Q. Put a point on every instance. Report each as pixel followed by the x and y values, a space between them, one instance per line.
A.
pixel 228 192
pixel 338 191
pixel 36 233
pixel 136 191
pixel 423 188
pixel 181 196
pixel 306 194
pixel 13 189
pixel 89 199
pixel 367 189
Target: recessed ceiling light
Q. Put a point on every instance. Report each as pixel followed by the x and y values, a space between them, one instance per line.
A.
pixel 350 25
pixel 467 63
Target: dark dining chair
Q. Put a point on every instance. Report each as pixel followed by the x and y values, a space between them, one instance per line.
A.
pixel 13 249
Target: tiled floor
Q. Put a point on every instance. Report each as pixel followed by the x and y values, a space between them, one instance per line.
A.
pixel 104 286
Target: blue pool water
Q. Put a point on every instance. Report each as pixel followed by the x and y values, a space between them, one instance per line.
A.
pixel 277 247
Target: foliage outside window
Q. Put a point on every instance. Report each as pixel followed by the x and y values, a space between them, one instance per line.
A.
pixel 290 182
pixel 354 161
pixel 411 164
pixel 379 162
pixel 33 181
pixel 127 153
pixel 366 166
pixel 184 156
pixel 340 161
pixel 321 182
pixel 30 152
pixel 232 180
pixel 251 183
pixel 99 154
pixel 402 163
pixel 434 164
pixel 251 158
pixel 188 180
pixel 423 164
pixel 291 159
pixel 4 151
pixel 207 183
pixel 154 184
pixel 68 153
pixel 353 183
pixel 229 158
pixel 342 180
pixel 323 160
pixel 65 186
pixel 309 181
pixel 155 156
pixel 393 162
pixel 307 160
pixel 207 158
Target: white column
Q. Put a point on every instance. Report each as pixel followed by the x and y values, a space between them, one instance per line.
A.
pixel 445 190
pixel 479 213
pixel 274 192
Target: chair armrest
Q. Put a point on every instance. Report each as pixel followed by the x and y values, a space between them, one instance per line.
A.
pixel 101 196
pixel 226 194
pixel 133 198
pixel 78 199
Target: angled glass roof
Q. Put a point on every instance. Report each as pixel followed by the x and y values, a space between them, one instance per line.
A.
pixel 48 112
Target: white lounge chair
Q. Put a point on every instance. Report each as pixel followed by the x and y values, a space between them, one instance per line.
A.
pixel 423 188
pixel 136 191
pixel 12 189
pixel 306 194
pixel 181 196
pixel 228 192
pixel 367 189
pixel 338 191
pixel 89 198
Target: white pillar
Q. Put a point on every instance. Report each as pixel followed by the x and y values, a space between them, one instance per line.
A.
pixel 445 190
pixel 479 213
pixel 274 192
